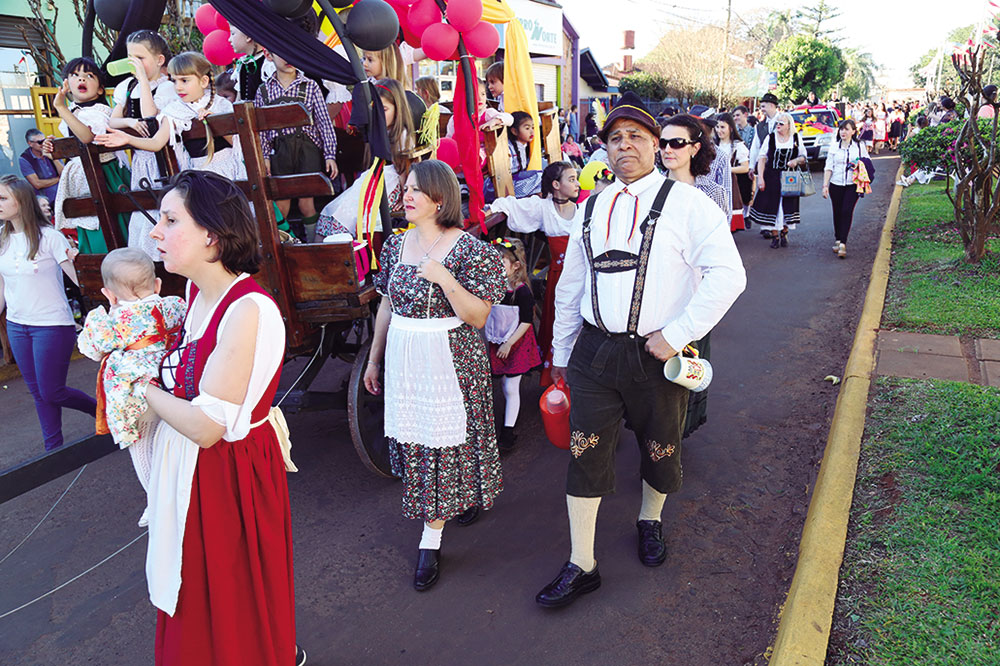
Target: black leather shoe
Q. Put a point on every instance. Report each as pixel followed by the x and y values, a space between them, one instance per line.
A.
pixel 784 239
pixel 300 656
pixel 427 569
pixel 652 550
pixel 506 439
pixel 775 242
pixel 571 582
pixel 468 516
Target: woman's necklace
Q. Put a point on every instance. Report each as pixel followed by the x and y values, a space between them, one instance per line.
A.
pixel 427 251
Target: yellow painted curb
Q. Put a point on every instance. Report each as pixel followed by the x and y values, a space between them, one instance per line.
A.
pixel 804 629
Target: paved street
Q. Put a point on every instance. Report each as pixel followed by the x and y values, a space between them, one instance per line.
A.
pixel 731 532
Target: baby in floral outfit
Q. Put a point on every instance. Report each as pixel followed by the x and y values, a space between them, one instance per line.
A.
pixel 129 341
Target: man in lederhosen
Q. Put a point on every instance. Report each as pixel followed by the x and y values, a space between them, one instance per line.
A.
pixel 651 266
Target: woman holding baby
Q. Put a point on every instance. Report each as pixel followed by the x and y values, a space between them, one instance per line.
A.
pixel 219 564
pixel 33 258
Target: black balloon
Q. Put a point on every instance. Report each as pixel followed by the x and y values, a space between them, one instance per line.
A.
pixel 289 8
pixel 372 25
pixel 111 12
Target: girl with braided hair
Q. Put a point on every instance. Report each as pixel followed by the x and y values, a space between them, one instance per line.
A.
pixel 197 99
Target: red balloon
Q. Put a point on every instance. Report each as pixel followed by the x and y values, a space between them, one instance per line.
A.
pixel 205 18
pixel 464 14
pixel 448 153
pixel 422 14
pixel 439 41
pixel 483 40
pixel 217 48
pixel 221 23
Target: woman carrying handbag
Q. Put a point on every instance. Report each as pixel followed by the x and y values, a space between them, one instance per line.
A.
pixel 782 150
pixel 838 182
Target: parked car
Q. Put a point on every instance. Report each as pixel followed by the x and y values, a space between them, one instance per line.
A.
pixel 818 127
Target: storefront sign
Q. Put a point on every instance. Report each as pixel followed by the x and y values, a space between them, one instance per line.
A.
pixel 542 25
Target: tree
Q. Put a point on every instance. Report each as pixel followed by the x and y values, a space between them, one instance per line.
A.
pixel 859 80
pixel 646 85
pixel 949 77
pixel 814 17
pixel 767 29
pixel 805 64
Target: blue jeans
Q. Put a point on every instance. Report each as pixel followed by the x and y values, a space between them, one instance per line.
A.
pixel 42 354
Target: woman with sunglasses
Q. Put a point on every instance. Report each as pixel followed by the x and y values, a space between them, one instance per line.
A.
pixel 687 152
pixel 782 150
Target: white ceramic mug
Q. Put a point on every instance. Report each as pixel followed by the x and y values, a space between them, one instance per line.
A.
pixel 691 373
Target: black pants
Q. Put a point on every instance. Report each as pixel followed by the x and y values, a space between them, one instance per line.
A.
pixel 611 377
pixel 843 198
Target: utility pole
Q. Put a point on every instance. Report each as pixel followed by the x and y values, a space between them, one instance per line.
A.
pixel 725 54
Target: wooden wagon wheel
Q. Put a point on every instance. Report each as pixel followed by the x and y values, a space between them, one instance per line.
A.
pixel 366 418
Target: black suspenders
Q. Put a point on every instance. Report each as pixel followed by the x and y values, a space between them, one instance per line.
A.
pixel 645 247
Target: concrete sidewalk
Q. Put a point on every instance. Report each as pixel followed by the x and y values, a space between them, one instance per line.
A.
pixel 924 356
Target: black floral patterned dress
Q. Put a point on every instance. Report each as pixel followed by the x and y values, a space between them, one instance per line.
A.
pixel 440 482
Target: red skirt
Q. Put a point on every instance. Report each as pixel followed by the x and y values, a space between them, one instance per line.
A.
pixel 523 357
pixel 237 598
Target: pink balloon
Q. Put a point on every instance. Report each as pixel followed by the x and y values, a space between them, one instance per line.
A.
pixel 464 14
pixel 448 153
pixel 483 40
pixel 217 48
pixel 221 23
pixel 205 18
pixel 439 41
pixel 422 14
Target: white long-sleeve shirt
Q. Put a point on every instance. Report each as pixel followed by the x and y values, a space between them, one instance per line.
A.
pixel 840 162
pixel 529 214
pixel 756 145
pixel 694 276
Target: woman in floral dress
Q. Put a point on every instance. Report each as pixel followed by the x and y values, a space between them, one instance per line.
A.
pixel 438 285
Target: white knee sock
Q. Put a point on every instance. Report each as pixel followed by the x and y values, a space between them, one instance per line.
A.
pixel 512 398
pixel 652 503
pixel 431 538
pixel 582 526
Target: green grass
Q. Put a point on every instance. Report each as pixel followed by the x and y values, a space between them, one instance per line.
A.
pixel 932 289
pixel 920 582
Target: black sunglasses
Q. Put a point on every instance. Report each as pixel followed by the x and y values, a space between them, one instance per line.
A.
pixel 676 143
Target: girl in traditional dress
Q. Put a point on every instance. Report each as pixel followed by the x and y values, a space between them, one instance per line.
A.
pixel 138 100
pixel 510 331
pixel 219 563
pixel 881 127
pixel 89 117
pixel 552 214
pixel 252 68
pixel 192 76
pixel 341 214
pixel 729 142
pixel 782 149
pixel 520 134
pixel 438 284
pixel 33 259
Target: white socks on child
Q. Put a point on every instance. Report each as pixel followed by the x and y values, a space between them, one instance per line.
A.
pixel 431 538
pixel 652 503
pixel 512 398
pixel 582 526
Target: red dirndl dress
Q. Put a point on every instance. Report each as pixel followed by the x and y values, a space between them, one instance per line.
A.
pixel 557 253
pixel 236 604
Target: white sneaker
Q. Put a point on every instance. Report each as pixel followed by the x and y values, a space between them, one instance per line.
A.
pixel 842 252
pixel 144 518
pixel 836 246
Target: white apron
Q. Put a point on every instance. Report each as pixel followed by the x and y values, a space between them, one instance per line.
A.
pixel 424 403
pixel 502 322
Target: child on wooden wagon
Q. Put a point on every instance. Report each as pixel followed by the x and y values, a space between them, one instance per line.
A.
pixel 519 137
pixel 138 100
pixel 308 149
pixel 494 79
pixel 552 214
pixel 197 100
pixel 129 342
pixel 251 69
pixel 341 214
pixel 83 81
pixel 511 334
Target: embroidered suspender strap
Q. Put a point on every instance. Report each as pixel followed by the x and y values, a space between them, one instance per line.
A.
pixel 645 249
pixel 588 214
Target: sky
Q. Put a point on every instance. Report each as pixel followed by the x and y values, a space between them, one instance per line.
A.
pixel 895 33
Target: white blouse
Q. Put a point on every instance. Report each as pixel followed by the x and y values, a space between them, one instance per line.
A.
pixel 268 354
pixel 162 89
pixel 33 288
pixel 840 162
pixel 529 214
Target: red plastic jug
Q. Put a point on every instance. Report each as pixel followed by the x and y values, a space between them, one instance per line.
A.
pixel 554 405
